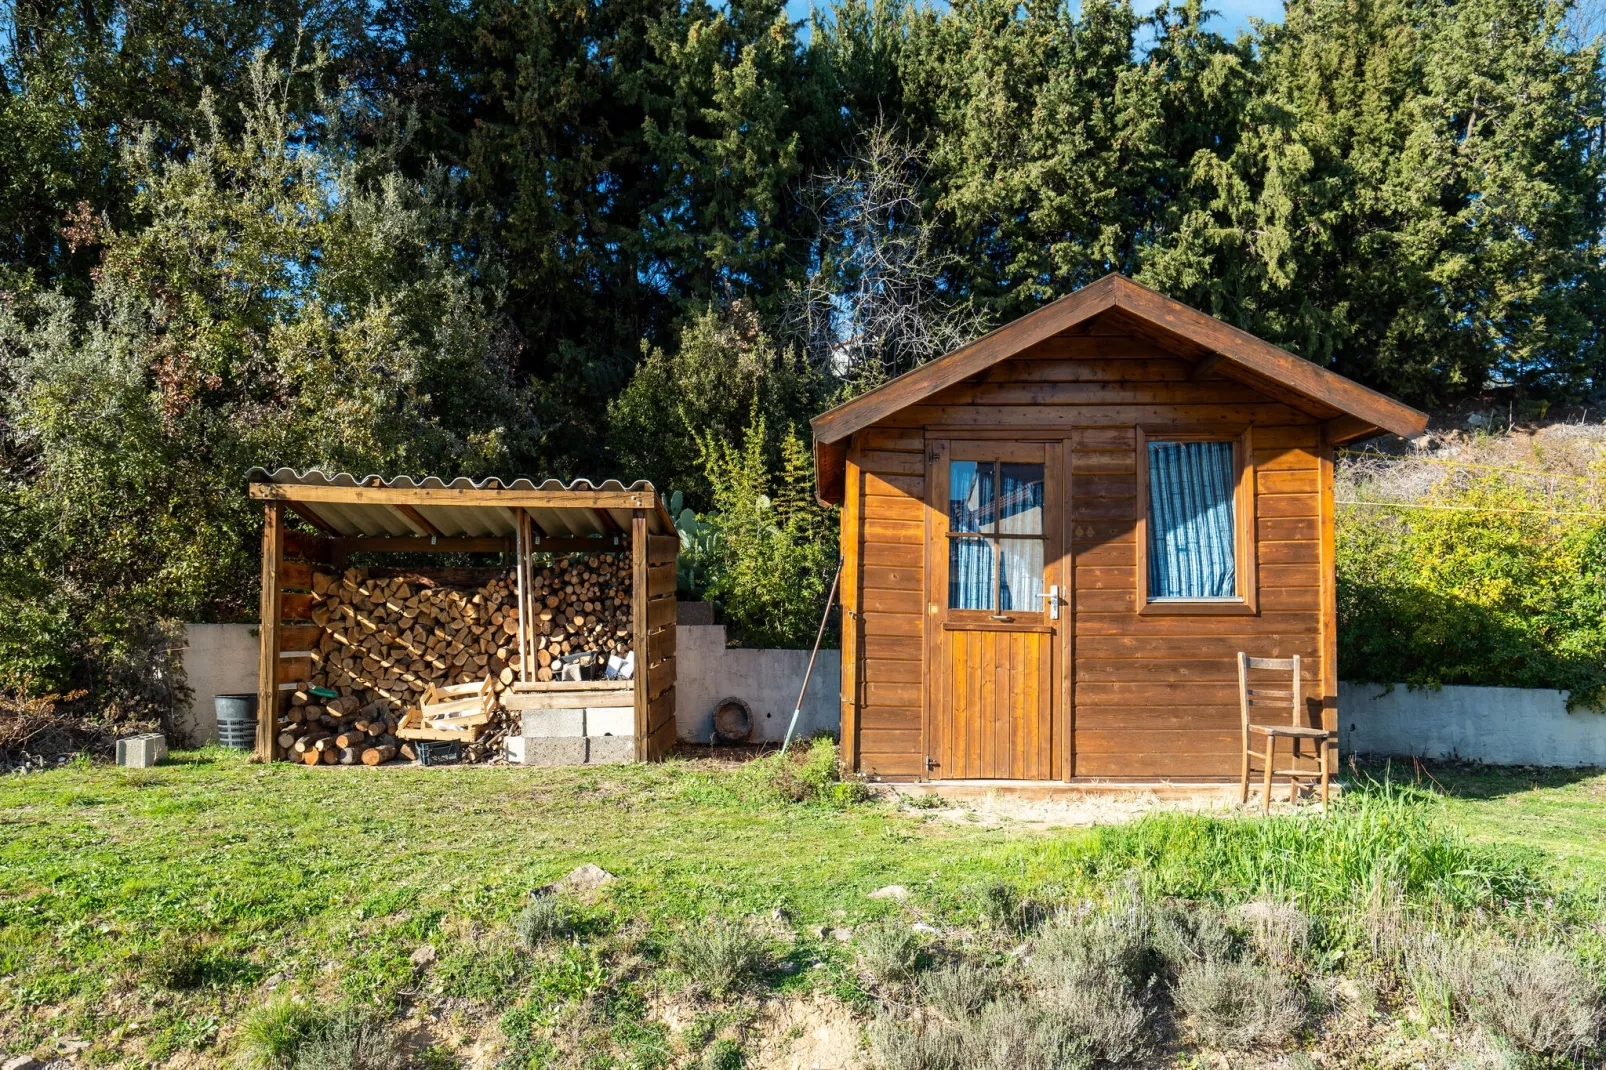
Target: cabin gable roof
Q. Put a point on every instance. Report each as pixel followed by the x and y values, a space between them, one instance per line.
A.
pixel 1348 410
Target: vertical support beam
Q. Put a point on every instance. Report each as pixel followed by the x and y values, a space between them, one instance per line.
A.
pixel 638 623
pixel 1328 606
pixel 521 546
pixel 852 508
pixel 1066 652
pixel 268 661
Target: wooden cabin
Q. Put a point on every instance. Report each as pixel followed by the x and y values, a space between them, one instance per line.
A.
pixel 1057 539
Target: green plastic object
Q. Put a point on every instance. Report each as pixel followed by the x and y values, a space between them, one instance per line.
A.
pixel 323 692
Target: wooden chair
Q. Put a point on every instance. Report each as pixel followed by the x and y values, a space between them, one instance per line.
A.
pixel 1293 701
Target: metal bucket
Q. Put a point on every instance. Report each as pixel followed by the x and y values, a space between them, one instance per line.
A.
pixel 236 720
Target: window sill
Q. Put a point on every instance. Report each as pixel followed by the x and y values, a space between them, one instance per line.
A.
pixel 1225 607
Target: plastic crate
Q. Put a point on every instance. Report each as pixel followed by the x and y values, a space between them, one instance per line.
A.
pixel 439 751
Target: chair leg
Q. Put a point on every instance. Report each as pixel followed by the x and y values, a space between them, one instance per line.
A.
pixel 1324 748
pixel 1243 781
pixel 1265 794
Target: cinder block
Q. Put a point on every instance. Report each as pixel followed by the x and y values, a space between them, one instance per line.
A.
pixel 142 751
pixel 555 722
pixel 513 750
pixel 612 750
pixel 551 750
pixel 610 720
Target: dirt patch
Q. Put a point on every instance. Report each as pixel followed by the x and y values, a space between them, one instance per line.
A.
pixel 997 809
pixel 807 1034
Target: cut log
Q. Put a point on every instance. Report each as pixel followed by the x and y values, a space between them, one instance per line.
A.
pixel 375 755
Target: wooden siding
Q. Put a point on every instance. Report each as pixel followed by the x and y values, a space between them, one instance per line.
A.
pixel 1151 695
pixel 889 512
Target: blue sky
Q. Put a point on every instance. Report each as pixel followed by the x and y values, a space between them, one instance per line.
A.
pixel 1233 17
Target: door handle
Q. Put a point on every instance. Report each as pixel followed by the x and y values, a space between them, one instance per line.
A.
pixel 1053 597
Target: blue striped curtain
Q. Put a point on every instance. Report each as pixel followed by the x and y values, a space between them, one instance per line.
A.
pixel 1191 529
pixel 971 504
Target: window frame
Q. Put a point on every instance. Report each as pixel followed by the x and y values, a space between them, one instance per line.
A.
pixel 997 453
pixel 1245 550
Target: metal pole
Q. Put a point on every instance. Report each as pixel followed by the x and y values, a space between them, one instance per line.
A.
pixel 819 635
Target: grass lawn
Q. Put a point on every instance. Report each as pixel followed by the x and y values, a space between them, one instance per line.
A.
pixel 146 911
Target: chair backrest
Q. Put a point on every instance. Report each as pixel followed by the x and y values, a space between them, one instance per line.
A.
pixel 1262 698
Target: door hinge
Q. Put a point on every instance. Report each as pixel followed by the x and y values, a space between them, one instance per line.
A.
pixel 930 763
pixel 934 455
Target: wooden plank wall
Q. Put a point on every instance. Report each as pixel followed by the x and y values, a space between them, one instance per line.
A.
pixel 891 468
pixel 1154 695
pixel 662 551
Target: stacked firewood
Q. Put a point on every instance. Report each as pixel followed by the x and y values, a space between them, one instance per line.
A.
pixel 388 639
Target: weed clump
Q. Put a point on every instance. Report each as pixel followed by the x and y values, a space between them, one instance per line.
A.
pixel 889 953
pixel 1239 1006
pixel 810 775
pixel 177 964
pixel 1096 974
pixel 720 957
pixel 544 919
pixel 352 1044
pixel 272 1035
pixel 722 1054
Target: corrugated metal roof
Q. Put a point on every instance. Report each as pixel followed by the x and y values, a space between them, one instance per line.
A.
pixel 556 518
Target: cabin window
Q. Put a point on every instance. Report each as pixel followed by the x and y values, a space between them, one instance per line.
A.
pixel 1192 522
pixel 1196 522
pixel 995 536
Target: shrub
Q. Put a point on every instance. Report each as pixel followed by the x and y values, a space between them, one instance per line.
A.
pixel 774 556
pixel 1009 1034
pixel 1112 946
pixel 720 957
pixel 544 919
pixel 1279 931
pixel 1238 1006
pixel 352 1044
pixel 272 1035
pixel 889 952
pixel 806 774
pixel 956 992
pixel 1092 972
pixel 1542 1001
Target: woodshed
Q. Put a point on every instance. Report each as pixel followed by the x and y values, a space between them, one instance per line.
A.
pixel 575 626
pixel 1057 539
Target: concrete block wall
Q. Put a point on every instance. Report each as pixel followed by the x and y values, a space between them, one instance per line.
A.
pixel 219 659
pixel 707 672
pixel 1494 725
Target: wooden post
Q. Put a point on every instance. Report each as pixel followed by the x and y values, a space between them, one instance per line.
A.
pixel 638 618
pixel 521 544
pixel 849 599
pixel 1328 611
pixel 268 661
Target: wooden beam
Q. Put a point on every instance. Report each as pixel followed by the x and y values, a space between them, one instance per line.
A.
pixel 418 518
pixel 1344 430
pixel 446 544
pixel 314 519
pixel 458 496
pixel 521 552
pixel 1205 367
pixel 830 471
pixel 268 653
pixel 579 544
pixel 638 619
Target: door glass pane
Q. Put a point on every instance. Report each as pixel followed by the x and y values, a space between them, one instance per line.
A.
pixel 1020 580
pixel 970 496
pixel 1020 499
pixel 1191 522
pixel 970 574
